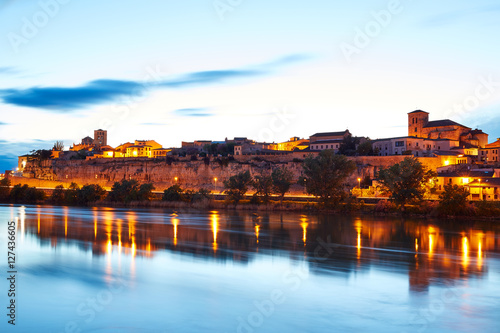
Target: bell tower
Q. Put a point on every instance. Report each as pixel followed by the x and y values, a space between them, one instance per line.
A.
pixel 416 122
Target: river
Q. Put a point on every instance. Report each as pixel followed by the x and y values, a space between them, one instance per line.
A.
pixel 154 270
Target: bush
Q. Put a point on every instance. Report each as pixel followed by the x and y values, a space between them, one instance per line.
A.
pixel 385 206
pixel 57 196
pixel 4 189
pixel 173 193
pixel 129 190
pixel 90 193
pixel 487 208
pixel 25 193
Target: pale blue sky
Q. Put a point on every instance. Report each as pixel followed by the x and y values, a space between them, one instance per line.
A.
pixel 181 70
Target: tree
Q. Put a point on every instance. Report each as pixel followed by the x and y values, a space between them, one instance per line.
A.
pixel 173 193
pixel 4 188
pixel 237 186
pixel 71 194
pixel 40 155
pixel 145 192
pixel 57 196
pixel 90 193
pixel 325 174
pixel 124 191
pixel 263 186
pixel 348 145
pixel 407 181
pixel 58 145
pixel 282 180
pixel 365 148
pixel 453 201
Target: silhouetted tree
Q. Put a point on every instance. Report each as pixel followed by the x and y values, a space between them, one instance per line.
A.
pixel 325 174
pixel 282 180
pixel 237 186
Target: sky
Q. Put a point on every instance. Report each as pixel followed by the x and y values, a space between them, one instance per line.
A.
pixel 175 71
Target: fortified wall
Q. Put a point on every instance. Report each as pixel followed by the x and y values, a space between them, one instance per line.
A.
pixel 188 174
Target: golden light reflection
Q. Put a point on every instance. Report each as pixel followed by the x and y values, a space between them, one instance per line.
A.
pixel 38 211
pixel 175 223
pixel 148 247
pixel 133 248
pixel 432 238
pixel 416 244
pixel 257 229
pixel 215 228
pixel 479 255
pixel 109 246
pixel 65 222
pixel 465 250
pixel 95 224
pixel 304 231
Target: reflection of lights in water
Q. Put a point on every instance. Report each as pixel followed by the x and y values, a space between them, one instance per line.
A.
pixel 416 244
pixel 148 247
pixel 109 246
pixel 257 229
pixel 479 256
pixel 304 230
pixel 465 250
pixel 22 220
pixel 358 245
pixel 175 223
pixel 432 236
pixel 65 222
pixel 95 224
pixel 38 222
pixel 215 227
pixel 133 249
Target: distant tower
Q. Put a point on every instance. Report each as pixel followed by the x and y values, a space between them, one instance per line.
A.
pixel 416 122
pixel 100 138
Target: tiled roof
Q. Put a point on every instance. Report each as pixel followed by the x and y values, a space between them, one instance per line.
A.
pixel 331 133
pixel 416 111
pixel 442 123
pixel 327 141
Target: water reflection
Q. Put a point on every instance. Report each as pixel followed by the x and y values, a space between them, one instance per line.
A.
pixel 428 253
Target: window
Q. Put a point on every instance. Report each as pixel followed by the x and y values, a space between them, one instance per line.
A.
pixel 409 144
pixel 415 129
pixel 399 143
pixel 417 144
pixel 413 120
pixel 439 147
pixel 321 146
pixel 336 146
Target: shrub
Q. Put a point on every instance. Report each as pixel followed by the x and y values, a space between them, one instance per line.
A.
pixel 385 206
pixel 173 193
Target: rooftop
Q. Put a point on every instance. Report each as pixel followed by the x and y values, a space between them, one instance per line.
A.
pixel 332 133
pixel 417 111
pixel 442 123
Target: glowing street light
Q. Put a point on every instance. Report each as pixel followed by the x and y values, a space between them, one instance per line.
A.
pixel 359 182
pixel 215 179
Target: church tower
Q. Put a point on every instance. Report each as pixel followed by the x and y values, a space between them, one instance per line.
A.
pixel 416 122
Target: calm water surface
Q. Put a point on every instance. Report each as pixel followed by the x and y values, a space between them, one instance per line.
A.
pixel 122 270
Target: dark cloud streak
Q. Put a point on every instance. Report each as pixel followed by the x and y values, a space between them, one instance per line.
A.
pixel 67 99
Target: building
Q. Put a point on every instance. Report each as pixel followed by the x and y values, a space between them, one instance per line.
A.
pixel 327 140
pixel 197 144
pixel 485 189
pixel 412 145
pixel 100 138
pixel 291 144
pixel 420 126
pixel 489 153
pixel 142 148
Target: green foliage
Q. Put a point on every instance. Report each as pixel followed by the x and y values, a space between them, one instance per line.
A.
pixel 130 190
pixel 57 196
pixel 40 155
pixel 487 208
pixel 24 193
pixel 453 201
pixel 173 193
pixel 348 145
pixel 324 176
pixel 71 194
pixel 407 181
pixel 4 188
pixel 282 180
pixel 365 149
pixel 263 186
pixel 237 186
pixel 90 193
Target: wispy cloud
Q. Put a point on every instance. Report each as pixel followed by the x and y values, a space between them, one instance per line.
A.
pixel 8 70
pixel 457 15
pixel 2 123
pixel 193 112
pixel 66 99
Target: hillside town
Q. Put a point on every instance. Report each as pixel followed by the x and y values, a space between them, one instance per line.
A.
pixel 459 154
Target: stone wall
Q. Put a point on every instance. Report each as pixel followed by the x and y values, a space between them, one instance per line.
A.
pixel 189 174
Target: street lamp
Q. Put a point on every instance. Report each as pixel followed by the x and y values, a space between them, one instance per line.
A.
pixel 359 183
pixel 175 178
pixel 215 180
